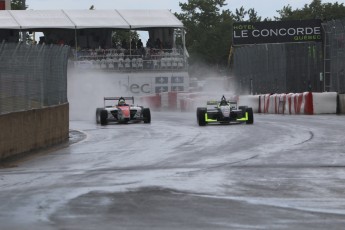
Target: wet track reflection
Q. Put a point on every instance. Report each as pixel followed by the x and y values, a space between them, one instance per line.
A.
pixel 282 172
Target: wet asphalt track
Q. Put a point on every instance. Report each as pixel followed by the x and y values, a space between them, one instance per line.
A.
pixel 283 172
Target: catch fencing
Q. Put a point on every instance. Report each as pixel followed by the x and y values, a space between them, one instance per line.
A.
pixel 278 68
pixel 334 64
pixel 32 76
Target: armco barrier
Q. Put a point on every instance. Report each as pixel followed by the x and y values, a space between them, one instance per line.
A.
pixel 25 131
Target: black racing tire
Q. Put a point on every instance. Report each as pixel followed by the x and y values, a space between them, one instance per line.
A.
pixel 104 117
pixel 98 115
pixel 200 115
pixel 250 116
pixel 146 115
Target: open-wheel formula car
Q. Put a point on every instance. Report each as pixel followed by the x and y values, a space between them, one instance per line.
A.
pixel 121 112
pixel 224 111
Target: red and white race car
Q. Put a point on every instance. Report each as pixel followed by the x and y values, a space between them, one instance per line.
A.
pixel 122 112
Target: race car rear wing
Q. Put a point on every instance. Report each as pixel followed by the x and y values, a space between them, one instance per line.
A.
pixel 117 98
pixel 217 102
pixel 233 104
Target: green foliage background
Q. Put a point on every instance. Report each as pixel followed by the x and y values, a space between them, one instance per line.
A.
pixel 209 27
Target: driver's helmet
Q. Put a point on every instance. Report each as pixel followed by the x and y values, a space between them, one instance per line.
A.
pixel 223 101
pixel 121 101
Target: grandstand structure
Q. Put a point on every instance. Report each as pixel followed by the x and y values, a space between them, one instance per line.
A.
pixel 89 34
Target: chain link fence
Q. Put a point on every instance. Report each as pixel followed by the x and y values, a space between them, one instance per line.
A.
pixel 32 76
pixel 278 68
pixel 334 65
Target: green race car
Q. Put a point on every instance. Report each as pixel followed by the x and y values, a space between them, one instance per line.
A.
pixel 224 112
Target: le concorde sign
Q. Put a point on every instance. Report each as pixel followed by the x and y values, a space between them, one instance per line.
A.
pixel 277 32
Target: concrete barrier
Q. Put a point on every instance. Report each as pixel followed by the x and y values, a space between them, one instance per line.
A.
pixel 22 132
pixel 325 103
pixel 250 101
pixel 341 103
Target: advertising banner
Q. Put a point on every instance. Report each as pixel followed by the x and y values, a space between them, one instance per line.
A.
pixel 139 84
pixel 277 32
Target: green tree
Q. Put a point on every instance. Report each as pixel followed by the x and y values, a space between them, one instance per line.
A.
pixel 208 31
pixel 315 10
pixel 253 15
pixel 240 14
pixel 250 15
pixel 120 35
pixel 18 5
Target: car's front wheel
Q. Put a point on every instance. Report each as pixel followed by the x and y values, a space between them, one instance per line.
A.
pixel 250 116
pixel 98 115
pixel 200 114
pixel 104 117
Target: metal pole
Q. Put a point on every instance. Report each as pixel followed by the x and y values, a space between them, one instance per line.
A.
pixel 76 44
pixel 130 44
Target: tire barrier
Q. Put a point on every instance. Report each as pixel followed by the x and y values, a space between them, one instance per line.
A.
pixel 307 103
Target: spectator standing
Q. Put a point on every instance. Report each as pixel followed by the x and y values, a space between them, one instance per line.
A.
pixel 158 44
pixel 133 45
pixel 149 43
pixel 139 44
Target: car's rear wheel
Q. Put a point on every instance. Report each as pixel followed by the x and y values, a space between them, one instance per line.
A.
pixel 104 117
pixel 146 115
pixel 250 116
pixel 200 114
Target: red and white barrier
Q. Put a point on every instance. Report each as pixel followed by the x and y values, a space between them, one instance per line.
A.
pixel 299 103
pixel 151 101
pixel 292 103
pixel 169 100
pixel 250 101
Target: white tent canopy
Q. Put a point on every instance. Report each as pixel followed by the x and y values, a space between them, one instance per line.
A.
pixel 7 21
pixel 29 19
pixel 150 18
pixel 82 19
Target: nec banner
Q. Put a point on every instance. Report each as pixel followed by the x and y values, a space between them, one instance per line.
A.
pixel 277 32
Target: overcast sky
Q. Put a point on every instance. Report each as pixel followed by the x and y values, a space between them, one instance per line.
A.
pixel 265 8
